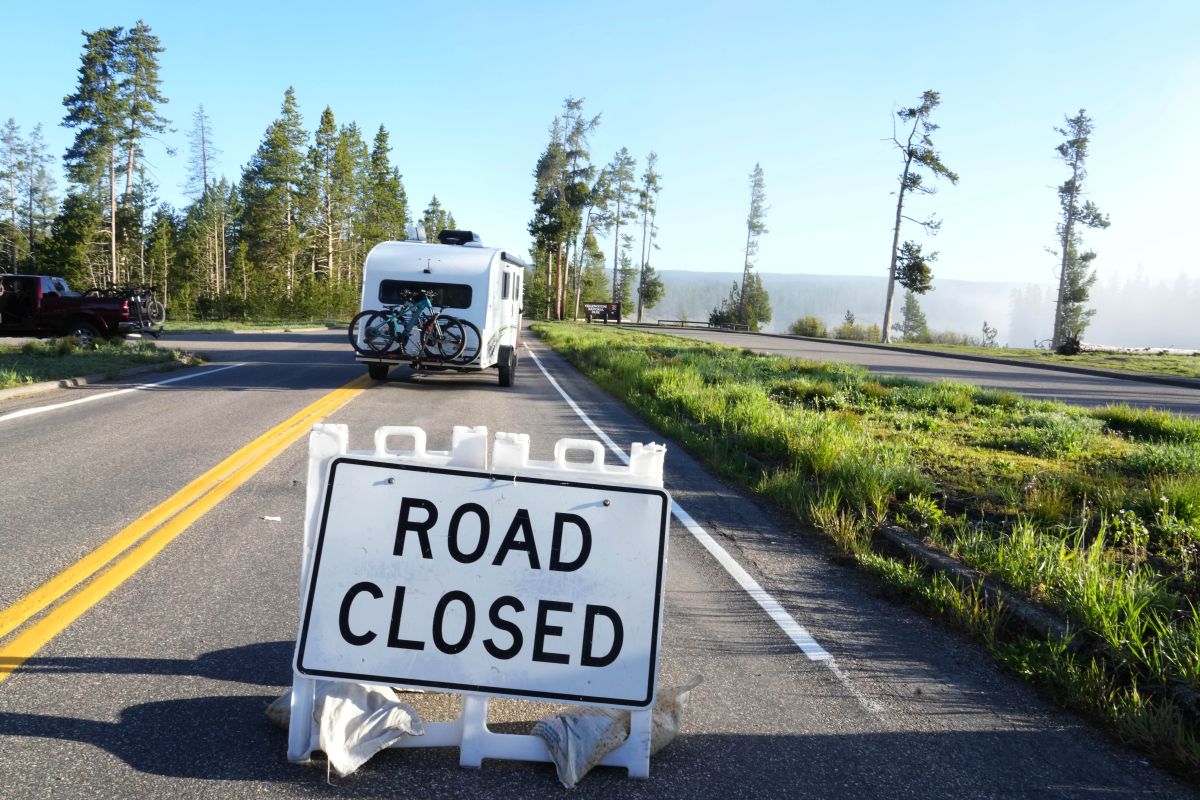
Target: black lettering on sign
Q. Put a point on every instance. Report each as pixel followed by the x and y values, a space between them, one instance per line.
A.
pixel 350 636
pixel 508 627
pixel 522 525
pixel 394 639
pixel 439 619
pixel 405 524
pixel 484 525
pixel 543 630
pixel 585 542
pixel 587 658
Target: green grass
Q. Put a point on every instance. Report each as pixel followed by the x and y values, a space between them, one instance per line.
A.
pixel 56 359
pixel 1094 513
pixel 1184 366
pixel 232 326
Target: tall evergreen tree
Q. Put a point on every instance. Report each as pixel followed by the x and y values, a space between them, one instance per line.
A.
pixel 140 94
pixel 203 153
pixel 37 188
pixel 271 188
pixel 756 226
pixel 96 113
pixel 12 169
pixel 436 219
pixel 913 326
pixel 385 204
pixel 624 211
pixel 916 153
pixel 650 286
pixel 1075 276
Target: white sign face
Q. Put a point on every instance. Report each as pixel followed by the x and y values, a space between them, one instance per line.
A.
pixel 493 584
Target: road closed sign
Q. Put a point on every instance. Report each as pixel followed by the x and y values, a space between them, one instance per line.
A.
pixel 483 583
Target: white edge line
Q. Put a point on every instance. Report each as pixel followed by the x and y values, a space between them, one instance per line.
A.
pixel 28 412
pixel 794 630
pixel 778 614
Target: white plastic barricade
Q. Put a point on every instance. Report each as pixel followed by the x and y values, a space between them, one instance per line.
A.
pixel 539 580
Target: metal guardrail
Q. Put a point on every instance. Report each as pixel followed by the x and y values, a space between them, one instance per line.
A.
pixel 692 323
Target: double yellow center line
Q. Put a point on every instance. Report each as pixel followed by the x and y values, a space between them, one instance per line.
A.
pixel 109 565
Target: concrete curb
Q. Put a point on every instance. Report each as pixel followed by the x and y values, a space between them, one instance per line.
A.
pixel 1143 377
pixel 45 387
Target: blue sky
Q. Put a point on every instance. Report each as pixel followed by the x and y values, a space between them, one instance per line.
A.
pixel 805 89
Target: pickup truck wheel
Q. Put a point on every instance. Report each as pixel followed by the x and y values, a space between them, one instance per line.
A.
pixel 87 334
pixel 507 365
pixel 377 371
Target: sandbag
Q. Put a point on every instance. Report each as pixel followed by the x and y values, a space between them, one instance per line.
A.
pixel 579 738
pixel 355 721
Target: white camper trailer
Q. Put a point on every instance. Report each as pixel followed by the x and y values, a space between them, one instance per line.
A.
pixel 478 285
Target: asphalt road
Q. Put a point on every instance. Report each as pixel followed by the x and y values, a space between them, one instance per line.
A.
pixel 159 689
pixel 1044 384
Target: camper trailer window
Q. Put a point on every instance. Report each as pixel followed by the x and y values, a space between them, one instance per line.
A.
pixel 446 295
pixel 504 291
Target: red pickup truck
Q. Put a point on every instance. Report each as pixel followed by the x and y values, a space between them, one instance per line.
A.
pixel 42 305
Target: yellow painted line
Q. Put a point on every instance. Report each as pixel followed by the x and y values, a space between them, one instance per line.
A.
pixel 182 509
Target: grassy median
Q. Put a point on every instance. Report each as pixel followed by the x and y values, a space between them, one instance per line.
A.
pixel 1094 514
pixel 55 359
pixel 1178 365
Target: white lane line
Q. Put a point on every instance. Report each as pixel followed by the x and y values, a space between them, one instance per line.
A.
pixel 28 412
pixel 778 614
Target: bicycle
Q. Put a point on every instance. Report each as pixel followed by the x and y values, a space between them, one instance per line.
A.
pixel 415 328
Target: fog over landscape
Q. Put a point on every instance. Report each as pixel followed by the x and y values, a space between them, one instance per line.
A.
pixel 1131 311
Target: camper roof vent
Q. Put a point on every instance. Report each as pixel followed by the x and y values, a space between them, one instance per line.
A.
pixel 468 238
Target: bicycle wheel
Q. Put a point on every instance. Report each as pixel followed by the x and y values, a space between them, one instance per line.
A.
pixel 369 333
pixel 444 338
pixel 471 344
pixel 156 312
pixel 380 334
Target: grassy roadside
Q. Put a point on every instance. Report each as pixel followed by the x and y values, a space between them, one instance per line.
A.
pixel 233 326
pixel 56 359
pixel 1092 513
pixel 1183 366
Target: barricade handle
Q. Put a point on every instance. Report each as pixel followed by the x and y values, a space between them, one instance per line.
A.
pixel 387 431
pixel 564 446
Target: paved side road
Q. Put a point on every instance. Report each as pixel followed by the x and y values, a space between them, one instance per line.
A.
pixel 1045 384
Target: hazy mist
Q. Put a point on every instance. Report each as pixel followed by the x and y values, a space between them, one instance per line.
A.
pixel 1132 312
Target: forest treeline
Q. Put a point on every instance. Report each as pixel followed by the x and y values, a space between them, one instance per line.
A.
pixel 286 240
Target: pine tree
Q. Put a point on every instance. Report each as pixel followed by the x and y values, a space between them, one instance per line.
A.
pixel 1075 277
pixel 913 326
pixel 620 180
pixel 755 227
pixel 140 94
pixel 650 286
pixel 37 189
pixel 95 112
pixel 916 153
pixel 436 219
pixel 271 189
pixel 385 205
pixel 13 158
pixel 203 155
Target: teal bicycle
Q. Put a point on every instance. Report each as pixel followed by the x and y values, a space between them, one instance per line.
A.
pixel 415 329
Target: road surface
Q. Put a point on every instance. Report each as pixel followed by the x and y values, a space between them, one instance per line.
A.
pixel 158 688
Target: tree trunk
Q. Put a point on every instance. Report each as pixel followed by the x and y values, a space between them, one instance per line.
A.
pixel 1057 336
pixel 112 209
pixel 129 170
pixel 642 276
pixel 886 337
pixel 549 280
pixel 616 247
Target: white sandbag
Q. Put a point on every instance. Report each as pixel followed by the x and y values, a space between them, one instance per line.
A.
pixel 578 738
pixel 355 721
pixel 667 717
